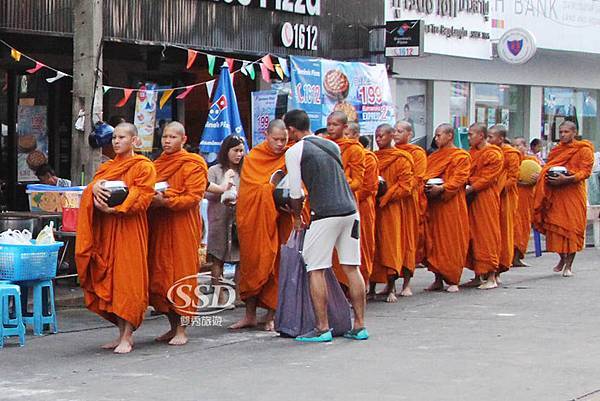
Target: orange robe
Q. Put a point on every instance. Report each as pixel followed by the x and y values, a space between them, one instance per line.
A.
pixel 396 217
pixel 484 209
pixel 262 228
pixel 447 224
pixel 509 200
pixel 353 160
pixel 420 158
pixel 111 250
pixel 560 213
pixel 176 232
pixel 366 206
pixel 524 215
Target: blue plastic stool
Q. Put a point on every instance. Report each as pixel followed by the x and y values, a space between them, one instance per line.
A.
pixel 43 305
pixel 11 324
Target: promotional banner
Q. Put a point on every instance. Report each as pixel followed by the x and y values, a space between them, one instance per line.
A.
pixel 223 117
pixel 263 112
pixel 360 90
pixel 32 145
pixel 145 116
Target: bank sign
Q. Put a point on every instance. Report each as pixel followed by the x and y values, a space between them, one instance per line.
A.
pixel 458 28
pixel 302 7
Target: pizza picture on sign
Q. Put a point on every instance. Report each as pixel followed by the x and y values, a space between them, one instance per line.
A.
pixel 337 86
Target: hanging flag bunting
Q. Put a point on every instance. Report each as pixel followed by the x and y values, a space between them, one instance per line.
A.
pixel 279 71
pixel 211 64
pixel 14 53
pixel 106 88
pixel 243 69
pixel 192 54
pixel 209 88
pixel 266 60
pixel 35 69
pixel 186 92
pixel 229 62
pixel 251 71
pixel 266 76
pixel 231 75
pixel 223 117
pixel 58 76
pixel 284 65
pixel 165 97
pixel 126 95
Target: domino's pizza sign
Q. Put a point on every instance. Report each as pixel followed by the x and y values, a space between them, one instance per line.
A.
pixel 516 46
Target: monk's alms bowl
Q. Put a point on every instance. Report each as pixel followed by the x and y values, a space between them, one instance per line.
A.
pixel 118 192
pixel 435 181
pixel 557 170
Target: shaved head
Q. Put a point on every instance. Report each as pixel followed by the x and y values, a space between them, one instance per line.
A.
pixel 127 128
pixel 176 127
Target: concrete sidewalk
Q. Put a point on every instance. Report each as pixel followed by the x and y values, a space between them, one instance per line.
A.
pixel 536 338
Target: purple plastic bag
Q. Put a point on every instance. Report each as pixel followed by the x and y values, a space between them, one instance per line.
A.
pixel 295 314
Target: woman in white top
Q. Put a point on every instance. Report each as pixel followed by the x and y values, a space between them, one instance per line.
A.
pixel 222 243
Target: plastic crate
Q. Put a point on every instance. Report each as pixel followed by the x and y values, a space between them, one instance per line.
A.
pixel 28 262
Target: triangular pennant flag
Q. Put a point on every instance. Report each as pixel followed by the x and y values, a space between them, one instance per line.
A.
pixel 106 88
pixel 186 92
pixel 35 69
pixel 211 64
pixel 284 65
pixel 279 71
pixel 229 62
pixel 126 95
pixel 251 71
pixel 14 53
pixel 243 69
pixel 209 88
pixel 266 75
pixel 58 76
pixel 268 63
pixel 165 97
pixel 192 54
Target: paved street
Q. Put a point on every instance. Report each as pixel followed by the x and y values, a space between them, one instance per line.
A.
pixel 537 338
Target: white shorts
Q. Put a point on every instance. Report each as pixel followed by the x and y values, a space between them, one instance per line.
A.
pixel 341 233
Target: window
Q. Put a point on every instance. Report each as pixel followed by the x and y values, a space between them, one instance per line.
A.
pixel 500 104
pixel 411 106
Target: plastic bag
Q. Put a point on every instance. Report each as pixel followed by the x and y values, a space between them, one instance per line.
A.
pixel 46 236
pixel 15 237
pixel 295 314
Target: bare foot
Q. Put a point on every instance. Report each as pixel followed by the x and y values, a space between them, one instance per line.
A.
pixel 488 285
pixel 370 296
pixel 498 279
pixel 435 286
pixel 243 324
pixel 179 339
pixel 559 267
pixel 391 298
pixel 452 288
pixel 124 347
pixel 406 292
pixel 112 344
pixel 269 325
pixel 567 273
pixel 474 282
pixel 168 336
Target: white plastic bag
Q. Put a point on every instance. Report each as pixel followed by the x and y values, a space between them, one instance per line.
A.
pixel 46 236
pixel 15 237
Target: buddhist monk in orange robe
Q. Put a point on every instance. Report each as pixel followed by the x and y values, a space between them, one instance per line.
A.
pixel 176 232
pixel 366 203
pixel 112 242
pixel 483 195
pixel 509 197
pixel 403 135
pixel 262 228
pixel 524 216
pixel 560 204
pixel 353 160
pixel 396 217
pixel 447 226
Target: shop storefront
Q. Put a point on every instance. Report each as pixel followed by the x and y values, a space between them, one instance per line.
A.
pixel 147 44
pixel 467 85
